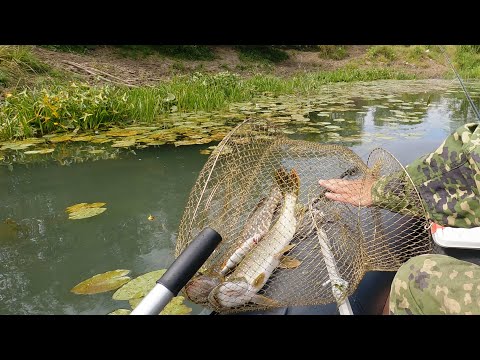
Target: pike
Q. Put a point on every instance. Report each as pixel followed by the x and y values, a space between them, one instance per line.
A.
pixel 256 227
pixel 252 273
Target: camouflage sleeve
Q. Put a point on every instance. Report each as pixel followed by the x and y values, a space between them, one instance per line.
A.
pixel 435 285
pixel 396 193
pixel 448 181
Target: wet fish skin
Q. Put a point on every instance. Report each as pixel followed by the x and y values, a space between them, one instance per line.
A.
pixel 258 265
pixel 255 228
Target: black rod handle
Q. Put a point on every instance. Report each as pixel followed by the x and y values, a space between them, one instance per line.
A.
pixel 190 260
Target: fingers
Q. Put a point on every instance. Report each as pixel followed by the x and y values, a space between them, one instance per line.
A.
pixel 339 185
pixel 345 198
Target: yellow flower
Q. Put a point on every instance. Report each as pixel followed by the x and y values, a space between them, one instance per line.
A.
pixel 8 95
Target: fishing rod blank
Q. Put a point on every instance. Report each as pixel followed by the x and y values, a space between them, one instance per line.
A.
pixel 472 104
pixel 179 273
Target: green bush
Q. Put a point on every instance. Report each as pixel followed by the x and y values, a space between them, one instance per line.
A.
pixel 381 52
pixel 261 53
pixel 180 52
pixel 334 52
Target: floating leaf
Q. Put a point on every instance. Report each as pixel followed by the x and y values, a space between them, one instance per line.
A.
pixel 80 206
pixel 83 138
pixel 134 302
pixel 205 152
pixel 86 213
pixel 85 210
pixel 138 287
pixel 122 132
pixel 58 139
pixel 193 142
pixel 42 151
pixel 120 312
pixel 176 307
pixel 124 143
pixel 101 139
pixel 156 143
pixel 110 280
pixel 16 146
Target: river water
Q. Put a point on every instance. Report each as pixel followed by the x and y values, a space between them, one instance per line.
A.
pixel 43 257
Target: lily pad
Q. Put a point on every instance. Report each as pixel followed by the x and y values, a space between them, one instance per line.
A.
pixel 122 132
pixel 58 139
pixel 86 213
pixel 42 151
pixel 80 206
pixel 134 302
pixel 108 281
pixel 156 143
pixel 83 138
pixel 85 210
pixel 100 139
pixel 193 142
pixel 138 287
pixel 124 143
pixel 16 146
pixel 120 312
pixel 174 307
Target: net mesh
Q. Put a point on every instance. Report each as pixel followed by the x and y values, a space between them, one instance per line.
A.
pixel 283 242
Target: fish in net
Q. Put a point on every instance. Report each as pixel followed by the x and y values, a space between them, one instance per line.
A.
pixel 283 242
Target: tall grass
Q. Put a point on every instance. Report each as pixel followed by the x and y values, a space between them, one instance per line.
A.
pixel 334 52
pixel 66 107
pixel 17 62
pixel 382 53
pixel 60 108
pixel 467 59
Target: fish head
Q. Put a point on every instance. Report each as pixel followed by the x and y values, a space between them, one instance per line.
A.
pixel 198 289
pixel 230 294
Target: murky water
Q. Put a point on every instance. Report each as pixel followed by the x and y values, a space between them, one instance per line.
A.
pixel 46 254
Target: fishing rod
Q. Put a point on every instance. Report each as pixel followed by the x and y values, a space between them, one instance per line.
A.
pixel 475 109
pixel 179 273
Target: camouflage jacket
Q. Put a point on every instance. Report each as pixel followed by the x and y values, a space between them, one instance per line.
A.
pixel 447 180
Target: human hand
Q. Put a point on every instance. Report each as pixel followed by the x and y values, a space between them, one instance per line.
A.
pixel 356 192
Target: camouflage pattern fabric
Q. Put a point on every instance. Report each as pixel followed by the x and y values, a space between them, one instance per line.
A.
pixel 436 285
pixel 448 181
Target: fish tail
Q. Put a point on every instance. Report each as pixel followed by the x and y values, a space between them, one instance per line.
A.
pixel 294 182
pixel 283 180
pixel 287 182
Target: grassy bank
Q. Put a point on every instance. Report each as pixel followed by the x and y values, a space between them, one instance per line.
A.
pixel 39 99
pixel 51 108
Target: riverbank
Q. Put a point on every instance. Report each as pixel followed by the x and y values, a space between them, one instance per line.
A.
pixel 59 89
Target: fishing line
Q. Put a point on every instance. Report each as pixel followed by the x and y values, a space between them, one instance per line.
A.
pixel 461 83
